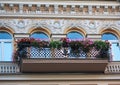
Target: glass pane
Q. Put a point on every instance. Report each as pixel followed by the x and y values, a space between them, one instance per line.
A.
pixel 115 52
pixel 74 35
pixel 0 51
pixel 39 35
pixel 5 35
pixel 7 51
pixel 109 36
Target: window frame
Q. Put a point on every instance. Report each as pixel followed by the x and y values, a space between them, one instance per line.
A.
pixel 3 41
pixel 40 38
pixel 75 32
pixel 116 40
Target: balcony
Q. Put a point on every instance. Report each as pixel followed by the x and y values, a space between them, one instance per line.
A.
pixel 13 68
pixel 62 56
pixel 63 65
pixel 8 68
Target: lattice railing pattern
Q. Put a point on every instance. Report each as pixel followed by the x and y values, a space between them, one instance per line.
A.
pixel 113 67
pixel 8 68
pixel 33 52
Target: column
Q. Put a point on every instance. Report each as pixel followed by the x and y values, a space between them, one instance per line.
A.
pixel 21 8
pixel 81 9
pixel 97 9
pixel 11 7
pixel 105 9
pixel 38 8
pixel 64 8
pixel 47 7
pixel 113 9
pixel 56 9
pixel 30 8
pixel 90 9
pixel 2 8
pixel 72 9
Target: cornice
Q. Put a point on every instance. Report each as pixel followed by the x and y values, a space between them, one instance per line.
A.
pixel 60 2
pixel 117 17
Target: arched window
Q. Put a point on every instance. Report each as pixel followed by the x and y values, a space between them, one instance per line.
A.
pixel 109 36
pixel 5 46
pixel 40 35
pixel 74 35
pixel 115 48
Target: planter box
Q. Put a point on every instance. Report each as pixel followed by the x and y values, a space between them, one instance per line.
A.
pixel 63 65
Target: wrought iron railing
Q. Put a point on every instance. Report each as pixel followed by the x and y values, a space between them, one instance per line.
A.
pixel 34 52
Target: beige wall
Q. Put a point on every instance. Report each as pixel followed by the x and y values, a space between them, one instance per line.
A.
pixel 60 79
pixel 60 83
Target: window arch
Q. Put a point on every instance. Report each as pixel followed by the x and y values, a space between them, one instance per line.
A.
pixel 39 35
pixel 115 48
pixel 5 35
pixel 74 35
pixel 42 36
pixel 109 36
pixel 6 47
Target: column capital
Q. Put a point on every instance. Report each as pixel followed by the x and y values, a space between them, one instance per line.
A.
pixel 38 5
pixel 81 6
pixel 56 8
pixel 47 5
pixel 106 6
pixel 113 7
pixel 30 5
pixel 64 5
pixel 97 6
pixel 90 9
pixel 73 6
pixel 21 8
pixel 11 5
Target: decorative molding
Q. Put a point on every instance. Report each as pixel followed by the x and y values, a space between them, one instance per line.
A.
pixel 57 26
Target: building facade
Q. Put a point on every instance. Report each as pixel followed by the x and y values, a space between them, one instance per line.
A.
pixel 55 19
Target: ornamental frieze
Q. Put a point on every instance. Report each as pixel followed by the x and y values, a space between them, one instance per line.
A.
pixel 59 25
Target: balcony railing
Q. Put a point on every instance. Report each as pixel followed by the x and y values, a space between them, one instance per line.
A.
pixel 62 56
pixel 8 68
pixel 12 68
pixel 34 52
pixel 113 67
pixel 60 60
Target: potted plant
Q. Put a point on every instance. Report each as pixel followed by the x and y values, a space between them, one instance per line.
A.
pixel 86 46
pixel 75 46
pixel 65 42
pixel 103 47
pixel 55 45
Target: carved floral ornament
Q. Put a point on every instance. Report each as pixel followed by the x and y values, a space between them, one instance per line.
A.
pixel 57 26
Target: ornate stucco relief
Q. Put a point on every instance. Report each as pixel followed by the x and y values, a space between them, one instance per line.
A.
pixel 57 26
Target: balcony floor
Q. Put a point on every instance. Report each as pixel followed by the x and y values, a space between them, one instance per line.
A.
pixel 63 65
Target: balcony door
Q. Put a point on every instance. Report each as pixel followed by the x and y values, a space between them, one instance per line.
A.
pixel 5 46
pixel 36 52
pixel 115 47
